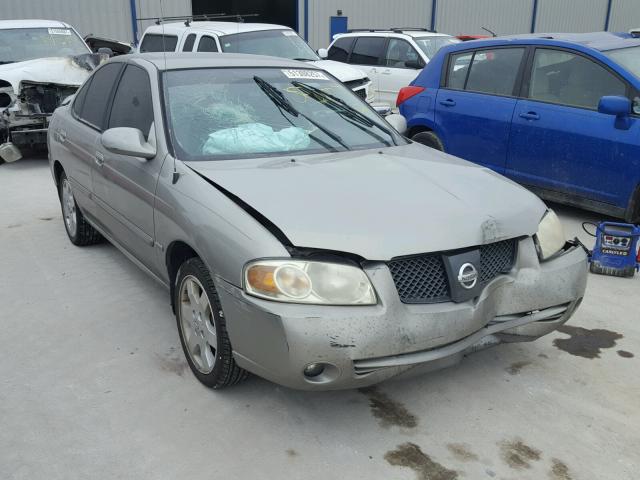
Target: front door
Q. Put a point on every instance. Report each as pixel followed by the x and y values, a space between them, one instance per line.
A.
pixel 401 66
pixel 475 107
pixel 559 140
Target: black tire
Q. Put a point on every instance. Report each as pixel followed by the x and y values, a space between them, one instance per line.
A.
pixel 225 371
pixel 429 139
pixel 84 233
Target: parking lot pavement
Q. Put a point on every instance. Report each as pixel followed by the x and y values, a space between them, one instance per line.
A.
pixel 93 384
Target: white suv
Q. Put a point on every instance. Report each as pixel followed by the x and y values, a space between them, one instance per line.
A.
pixel 390 58
pixel 254 38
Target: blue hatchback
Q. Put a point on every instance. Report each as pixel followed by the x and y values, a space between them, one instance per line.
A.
pixel 557 113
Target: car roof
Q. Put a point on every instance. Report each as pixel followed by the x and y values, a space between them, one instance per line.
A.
pixel 394 31
pixel 184 60
pixel 219 28
pixel 601 41
pixel 32 23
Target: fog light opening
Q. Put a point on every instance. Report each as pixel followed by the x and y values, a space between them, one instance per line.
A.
pixel 313 370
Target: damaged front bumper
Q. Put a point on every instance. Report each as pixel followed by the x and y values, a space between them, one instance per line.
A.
pixel 363 345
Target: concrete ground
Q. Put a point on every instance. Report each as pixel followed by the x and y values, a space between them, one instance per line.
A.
pixel 93 384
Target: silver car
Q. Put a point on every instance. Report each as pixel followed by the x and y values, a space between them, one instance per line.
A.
pixel 300 236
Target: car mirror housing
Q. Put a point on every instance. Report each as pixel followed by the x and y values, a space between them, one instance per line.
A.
pixel 615 105
pixel 127 141
pixel 323 53
pixel 398 122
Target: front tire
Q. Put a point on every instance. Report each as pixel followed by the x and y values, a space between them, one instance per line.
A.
pixel 80 232
pixel 429 139
pixel 202 327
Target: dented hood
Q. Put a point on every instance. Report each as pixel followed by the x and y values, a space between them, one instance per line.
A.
pixel 59 70
pixel 405 200
pixel 342 71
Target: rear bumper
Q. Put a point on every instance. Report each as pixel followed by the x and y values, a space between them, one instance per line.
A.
pixel 365 345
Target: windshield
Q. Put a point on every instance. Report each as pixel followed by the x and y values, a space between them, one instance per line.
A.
pixel 226 113
pixel 430 45
pixel 629 58
pixel 277 43
pixel 20 44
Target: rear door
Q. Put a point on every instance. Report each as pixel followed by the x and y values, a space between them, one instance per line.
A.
pixel 367 55
pixel 559 140
pixel 400 67
pixel 475 105
pixel 126 185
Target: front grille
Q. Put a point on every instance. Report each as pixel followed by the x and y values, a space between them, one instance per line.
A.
pixel 423 278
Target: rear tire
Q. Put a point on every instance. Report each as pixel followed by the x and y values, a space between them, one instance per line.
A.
pixel 429 139
pixel 79 231
pixel 202 327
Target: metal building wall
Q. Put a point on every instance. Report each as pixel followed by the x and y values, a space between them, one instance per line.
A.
pixel 625 15
pixel 108 18
pixel 571 15
pixel 365 14
pixel 500 16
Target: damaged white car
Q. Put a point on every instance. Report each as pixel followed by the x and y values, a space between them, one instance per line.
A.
pixel 42 62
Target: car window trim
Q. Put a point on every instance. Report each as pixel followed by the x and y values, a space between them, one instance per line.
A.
pixel 109 99
pixel 386 49
pixel 526 83
pixel 113 95
pixel 517 85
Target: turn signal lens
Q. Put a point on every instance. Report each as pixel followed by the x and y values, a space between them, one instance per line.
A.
pixel 406 93
pixel 261 278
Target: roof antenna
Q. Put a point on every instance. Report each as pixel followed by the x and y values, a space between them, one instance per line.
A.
pixel 493 34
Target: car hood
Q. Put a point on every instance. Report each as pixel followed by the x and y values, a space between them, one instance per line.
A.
pixel 380 204
pixel 342 71
pixel 59 70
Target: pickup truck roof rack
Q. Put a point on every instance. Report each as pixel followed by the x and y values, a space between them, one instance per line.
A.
pixel 203 17
pixel 392 29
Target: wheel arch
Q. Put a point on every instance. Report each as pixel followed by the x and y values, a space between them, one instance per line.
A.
pixel 177 253
pixel 632 214
pixel 57 172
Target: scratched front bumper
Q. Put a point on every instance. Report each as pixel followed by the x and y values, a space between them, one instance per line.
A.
pixel 368 344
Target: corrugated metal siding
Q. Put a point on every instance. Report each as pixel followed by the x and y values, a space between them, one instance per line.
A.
pixel 366 14
pixel 571 15
pixel 625 15
pixel 501 16
pixel 107 18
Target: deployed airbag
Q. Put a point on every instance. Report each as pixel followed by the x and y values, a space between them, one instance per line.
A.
pixel 255 138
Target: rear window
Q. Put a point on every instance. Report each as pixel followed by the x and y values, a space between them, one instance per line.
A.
pixel 158 43
pixel 97 97
pixel 485 71
pixel 207 44
pixel 340 49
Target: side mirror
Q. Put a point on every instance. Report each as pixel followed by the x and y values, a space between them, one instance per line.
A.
pixel 615 105
pixel 127 141
pixel 106 51
pixel 398 122
pixel 323 53
pixel 381 109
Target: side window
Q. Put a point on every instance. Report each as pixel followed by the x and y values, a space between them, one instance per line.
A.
pixel 97 97
pixel 133 104
pixel 78 102
pixel 569 79
pixel 367 51
pixel 486 71
pixel 188 43
pixel 207 44
pixel 400 54
pixel 158 43
pixel 340 49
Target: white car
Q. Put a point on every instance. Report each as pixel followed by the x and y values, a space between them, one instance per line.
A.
pixel 254 38
pixel 42 62
pixel 390 58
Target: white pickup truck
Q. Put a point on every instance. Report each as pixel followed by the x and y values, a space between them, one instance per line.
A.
pixel 254 38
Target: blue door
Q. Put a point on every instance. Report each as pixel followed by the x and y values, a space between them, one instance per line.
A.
pixel 474 110
pixel 560 142
pixel 337 25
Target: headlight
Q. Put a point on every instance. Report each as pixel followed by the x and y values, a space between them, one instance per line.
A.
pixel 299 281
pixel 550 237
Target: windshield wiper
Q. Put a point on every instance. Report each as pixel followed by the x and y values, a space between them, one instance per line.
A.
pixel 341 107
pixel 282 103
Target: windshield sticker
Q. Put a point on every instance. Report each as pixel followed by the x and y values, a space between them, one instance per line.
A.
pixel 289 33
pixel 59 31
pixel 305 74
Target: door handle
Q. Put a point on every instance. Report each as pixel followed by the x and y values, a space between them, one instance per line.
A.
pixel 387 71
pixel 62 136
pixel 99 159
pixel 448 102
pixel 530 116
